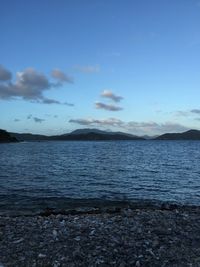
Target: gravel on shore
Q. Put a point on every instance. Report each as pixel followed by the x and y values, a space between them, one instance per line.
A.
pixel 129 237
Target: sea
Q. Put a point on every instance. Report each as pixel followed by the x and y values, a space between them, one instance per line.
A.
pixel 67 174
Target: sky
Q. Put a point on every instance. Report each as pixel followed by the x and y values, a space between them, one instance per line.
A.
pixel 118 65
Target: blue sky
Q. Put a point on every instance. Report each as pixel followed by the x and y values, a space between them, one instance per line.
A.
pixel 128 65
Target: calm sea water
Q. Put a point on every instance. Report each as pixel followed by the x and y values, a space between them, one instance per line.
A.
pixel 41 174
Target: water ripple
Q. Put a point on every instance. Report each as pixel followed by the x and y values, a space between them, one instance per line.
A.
pixel 113 170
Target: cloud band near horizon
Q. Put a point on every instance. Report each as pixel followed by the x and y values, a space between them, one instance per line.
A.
pixel 133 127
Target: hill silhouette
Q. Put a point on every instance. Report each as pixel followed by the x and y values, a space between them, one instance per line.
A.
pixel 188 135
pixel 78 135
pixel 5 137
pixel 99 135
pixel 29 137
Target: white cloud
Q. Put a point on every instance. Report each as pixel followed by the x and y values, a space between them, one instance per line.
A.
pixel 187 113
pixel 68 104
pixel 30 85
pixel 38 120
pixel 61 76
pixel 101 122
pixel 108 107
pixel 155 128
pixel 110 95
pixel 195 111
pixel 5 75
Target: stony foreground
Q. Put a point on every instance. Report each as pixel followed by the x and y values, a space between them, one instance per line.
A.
pixel 141 237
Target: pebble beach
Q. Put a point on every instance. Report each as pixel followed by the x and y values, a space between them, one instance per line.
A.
pixel 150 237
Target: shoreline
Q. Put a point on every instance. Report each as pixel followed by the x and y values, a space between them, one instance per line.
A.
pixel 166 236
pixel 65 206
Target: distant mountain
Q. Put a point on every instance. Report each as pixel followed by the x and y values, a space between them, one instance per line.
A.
pixel 5 137
pixel 95 134
pixel 188 135
pixel 147 137
pixel 97 131
pixel 88 130
pixel 79 135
